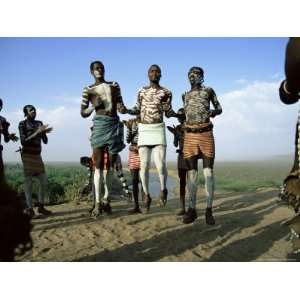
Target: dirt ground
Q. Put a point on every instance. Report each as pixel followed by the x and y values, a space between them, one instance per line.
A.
pixel 247 229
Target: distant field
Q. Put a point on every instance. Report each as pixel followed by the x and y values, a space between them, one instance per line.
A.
pixel 249 176
pixel 66 179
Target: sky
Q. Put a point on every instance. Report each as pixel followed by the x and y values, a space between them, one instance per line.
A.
pixel 50 73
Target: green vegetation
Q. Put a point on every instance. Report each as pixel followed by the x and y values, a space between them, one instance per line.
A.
pixel 65 180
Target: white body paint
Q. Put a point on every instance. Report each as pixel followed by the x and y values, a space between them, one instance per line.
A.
pixel 192 186
pixel 103 91
pixel 159 156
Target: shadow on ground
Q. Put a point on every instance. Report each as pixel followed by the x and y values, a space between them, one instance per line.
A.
pixel 249 210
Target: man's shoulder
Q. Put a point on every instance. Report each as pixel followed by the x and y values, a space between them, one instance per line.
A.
pixel 208 89
pixel 23 122
pixel 113 84
pixel 166 90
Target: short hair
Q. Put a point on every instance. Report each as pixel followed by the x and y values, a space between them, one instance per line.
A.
pixel 157 66
pixel 25 109
pixel 96 62
pixel 198 69
pixel 1 102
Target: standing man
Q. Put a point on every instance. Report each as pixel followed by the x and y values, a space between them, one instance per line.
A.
pixel 32 134
pixel 4 125
pixel 134 161
pixel 105 99
pixel 152 102
pixel 199 140
pixel 178 133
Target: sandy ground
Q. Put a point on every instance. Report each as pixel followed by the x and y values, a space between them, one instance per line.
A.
pixel 247 229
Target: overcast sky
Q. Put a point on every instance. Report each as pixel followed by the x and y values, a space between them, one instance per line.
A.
pixel 50 73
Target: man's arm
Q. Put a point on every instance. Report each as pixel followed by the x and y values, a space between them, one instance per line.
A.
pixel 121 108
pixel 85 110
pixel 167 105
pixel 44 135
pixel 216 104
pixel 23 135
pixel 129 133
pixel 137 108
pixel 289 90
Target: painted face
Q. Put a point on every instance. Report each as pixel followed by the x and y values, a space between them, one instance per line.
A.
pixel 154 74
pixel 31 112
pixel 98 71
pixel 195 76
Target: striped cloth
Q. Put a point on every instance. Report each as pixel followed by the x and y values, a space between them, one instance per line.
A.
pixel 33 164
pixel 133 160
pixel 199 144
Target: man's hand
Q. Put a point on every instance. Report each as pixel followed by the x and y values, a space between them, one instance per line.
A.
pixel 45 129
pixel 13 137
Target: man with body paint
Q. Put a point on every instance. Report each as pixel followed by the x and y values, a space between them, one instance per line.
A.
pixel 105 99
pixel 153 101
pixel 32 133
pixel 199 140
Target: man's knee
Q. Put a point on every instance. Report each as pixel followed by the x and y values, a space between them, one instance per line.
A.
pixel 208 172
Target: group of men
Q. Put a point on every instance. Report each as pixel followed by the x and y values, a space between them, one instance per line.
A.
pixel 146 135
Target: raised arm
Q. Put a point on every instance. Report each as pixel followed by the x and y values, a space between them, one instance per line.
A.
pixel 43 133
pixel 85 109
pixel 216 104
pixel 289 90
pixel 167 105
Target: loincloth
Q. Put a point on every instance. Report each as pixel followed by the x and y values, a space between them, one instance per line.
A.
pixel 134 160
pixel 108 131
pixel 33 164
pixel 199 144
pixel 152 134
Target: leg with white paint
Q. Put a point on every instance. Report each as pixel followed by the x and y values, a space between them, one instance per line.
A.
pixel 159 156
pixel 98 180
pixel 192 184
pixel 145 158
pixel 209 188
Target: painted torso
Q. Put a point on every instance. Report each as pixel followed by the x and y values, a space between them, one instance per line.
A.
pixel 152 103
pixel 105 97
pixel 197 105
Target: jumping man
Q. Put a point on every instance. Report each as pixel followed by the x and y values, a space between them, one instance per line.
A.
pixel 152 102
pixel 199 140
pixel 105 99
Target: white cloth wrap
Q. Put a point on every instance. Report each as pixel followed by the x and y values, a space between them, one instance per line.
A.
pixel 152 134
